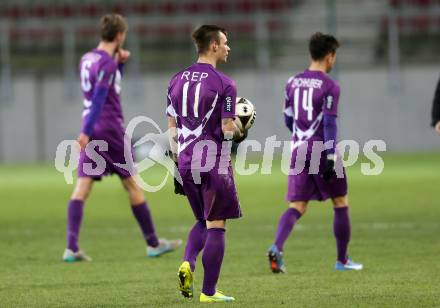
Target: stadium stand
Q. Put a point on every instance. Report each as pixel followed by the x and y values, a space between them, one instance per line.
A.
pixel 278 26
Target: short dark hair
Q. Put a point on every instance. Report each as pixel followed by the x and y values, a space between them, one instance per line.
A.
pixel 321 45
pixel 204 35
pixel 111 25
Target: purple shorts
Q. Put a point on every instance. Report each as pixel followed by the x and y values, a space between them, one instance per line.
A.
pixel 111 157
pixel 305 186
pixel 215 198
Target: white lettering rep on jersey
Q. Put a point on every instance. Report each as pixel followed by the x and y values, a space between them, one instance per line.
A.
pixel 307 83
pixel 194 76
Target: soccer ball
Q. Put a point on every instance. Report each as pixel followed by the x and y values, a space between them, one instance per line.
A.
pixel 245 113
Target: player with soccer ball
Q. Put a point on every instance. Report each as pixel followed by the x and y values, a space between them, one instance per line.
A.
pixel 201 110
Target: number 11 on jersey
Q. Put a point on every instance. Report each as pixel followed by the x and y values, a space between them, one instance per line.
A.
pixel 185 100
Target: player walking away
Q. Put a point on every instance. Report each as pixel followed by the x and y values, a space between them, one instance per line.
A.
pixel 201 107
pixel 101 70
pixel 436 109
pixel 310 113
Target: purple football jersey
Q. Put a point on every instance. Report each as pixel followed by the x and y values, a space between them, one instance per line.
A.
pixel 99 69
pixel 308 96
pixel 199 97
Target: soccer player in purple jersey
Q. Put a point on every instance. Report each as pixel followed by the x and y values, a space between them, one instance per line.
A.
pixel 311 105
pixel 101 70
pixel 435 122
pixel 201 112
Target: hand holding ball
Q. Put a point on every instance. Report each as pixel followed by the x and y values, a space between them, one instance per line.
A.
pixel 244 116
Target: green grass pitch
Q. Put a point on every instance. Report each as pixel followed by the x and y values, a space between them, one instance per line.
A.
pixel 396 234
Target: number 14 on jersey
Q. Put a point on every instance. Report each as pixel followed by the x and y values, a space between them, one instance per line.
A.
pixel 307 102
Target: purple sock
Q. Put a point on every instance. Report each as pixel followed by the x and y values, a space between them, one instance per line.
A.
pixel 212 259
pixel 195 243
pixel 285 226
pixel 342 231
pixel 143 217
pixel 74 218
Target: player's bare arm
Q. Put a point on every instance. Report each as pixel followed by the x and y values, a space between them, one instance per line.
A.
pixel 122 55
pixel 83 140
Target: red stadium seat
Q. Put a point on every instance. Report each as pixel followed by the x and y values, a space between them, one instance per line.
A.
pixel 119 8
pixel 168 8
pixel 39 11
pixel 64 10
pixel 89 10
pixel 246 6
pixel 273 5
pixel 142 8
pixel 194 6
pixel 423 2
pixel 395 3
pixel 219 7
pixel 16 12
pixel 420 23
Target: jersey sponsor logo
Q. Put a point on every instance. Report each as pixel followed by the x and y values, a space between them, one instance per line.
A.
pixel 228 105
pixel 329 102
